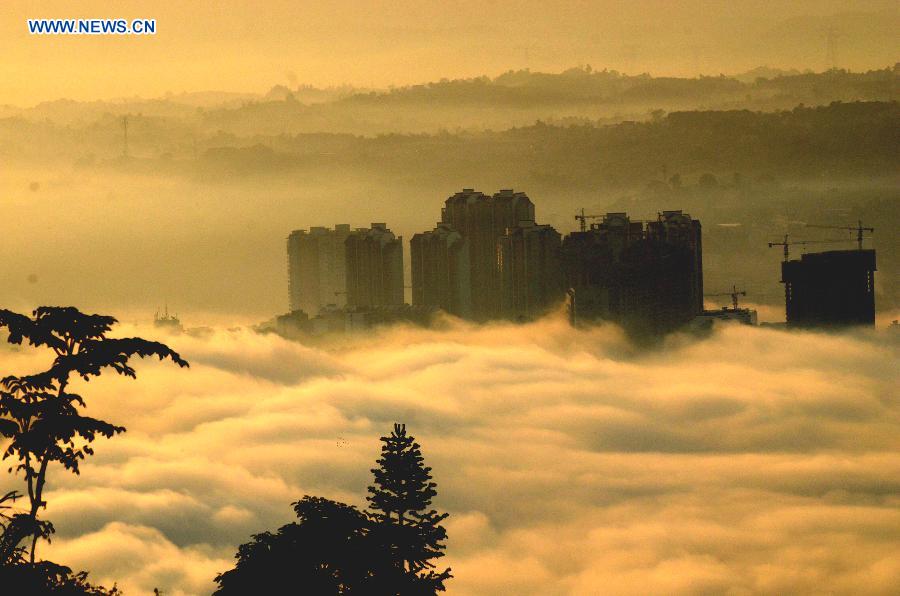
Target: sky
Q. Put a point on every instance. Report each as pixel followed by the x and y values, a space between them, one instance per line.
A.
pixel 754 461
pixel 249 46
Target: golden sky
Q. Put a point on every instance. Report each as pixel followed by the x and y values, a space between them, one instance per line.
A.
pixel 250 45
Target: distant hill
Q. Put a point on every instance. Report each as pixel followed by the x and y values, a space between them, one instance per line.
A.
pixel 513 99
pixel 764 72
pixel 517 98
pixel 838 140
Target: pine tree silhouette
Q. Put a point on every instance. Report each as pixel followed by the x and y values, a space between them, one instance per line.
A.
pixel 400 500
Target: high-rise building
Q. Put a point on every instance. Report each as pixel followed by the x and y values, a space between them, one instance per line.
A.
pixel 530 273
pixel 648 278
pixel 678 237
pixel 482 220
pixel 441 271
pixel 487 259
pixel 316 268
pixel 834 288
pixel 374 267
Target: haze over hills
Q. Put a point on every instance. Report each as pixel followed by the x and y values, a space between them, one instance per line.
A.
pixel 215 181
pixel 514 98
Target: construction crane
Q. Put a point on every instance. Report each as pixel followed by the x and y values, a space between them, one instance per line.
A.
pixel 734 293
pixel 788 243
pixel 859 229
pixel 583 219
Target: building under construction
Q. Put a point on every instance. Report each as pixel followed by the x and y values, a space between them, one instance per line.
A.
pixel 830 289
pixel 645 276
pixel 734 314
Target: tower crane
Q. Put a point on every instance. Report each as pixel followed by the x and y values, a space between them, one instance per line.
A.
pixel 734 293
pixel 583 219
pixel 859 229
pixel 788 243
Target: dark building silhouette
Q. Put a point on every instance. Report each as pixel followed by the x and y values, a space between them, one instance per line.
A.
pixel 441 271
pixel 726 314
pixel 743 316
pixel 677 238
pixel 374 267
pixel 482 220
pixel 646 276
pixel 290 325
pixel 529 267
pixel 487 259
pixel 834 288
pixel 167 321
pixel 316 267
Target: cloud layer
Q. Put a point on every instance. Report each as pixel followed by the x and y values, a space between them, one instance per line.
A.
pixel 753 461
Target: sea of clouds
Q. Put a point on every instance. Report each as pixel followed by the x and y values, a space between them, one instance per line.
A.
pixel 752 461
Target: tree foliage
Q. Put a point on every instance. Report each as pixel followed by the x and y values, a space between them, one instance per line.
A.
pixel 327 551
pixel 335 548
pixel 48 579
pixel 42 420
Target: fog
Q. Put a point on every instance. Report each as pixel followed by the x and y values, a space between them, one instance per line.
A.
pixel 131 244
pixel 202 228
pixel 752 461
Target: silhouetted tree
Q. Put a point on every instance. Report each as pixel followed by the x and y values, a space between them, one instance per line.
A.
pixel 334 548
pixel 327 551
pixel 42 419
pixel 48 579
pixel 401 500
